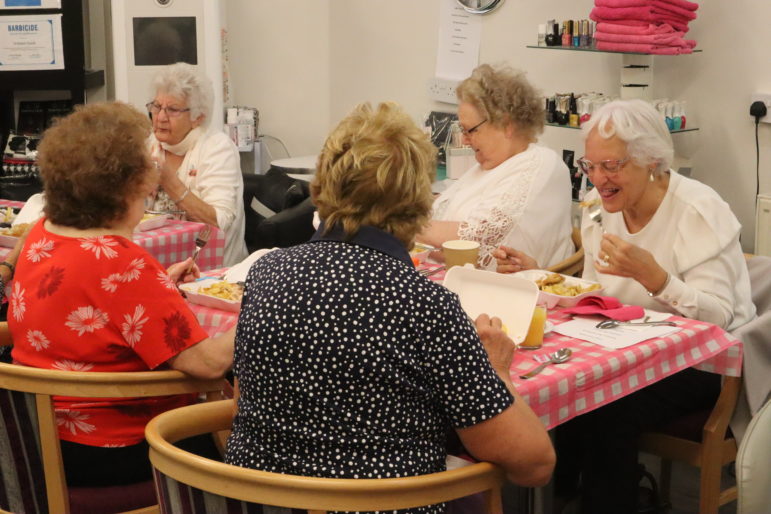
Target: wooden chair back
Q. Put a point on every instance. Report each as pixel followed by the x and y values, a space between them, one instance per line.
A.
pixel 192 484
pixel 574 264
pixel 30 453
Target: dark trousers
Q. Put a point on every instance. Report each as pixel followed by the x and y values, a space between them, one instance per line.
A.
pixel 597 452
pixel 96 466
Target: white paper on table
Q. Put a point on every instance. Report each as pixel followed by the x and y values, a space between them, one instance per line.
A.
pixel 32 210
pixel 459 36
pixel 238 272
pixel 585 328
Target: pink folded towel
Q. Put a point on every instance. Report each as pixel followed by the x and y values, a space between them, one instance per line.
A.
pixel 641 15
pixel 663 8
pixel 622 3
pixel 671 39
pixel 607 306
pixel 617 28
pixel 643 48
pixel 682 4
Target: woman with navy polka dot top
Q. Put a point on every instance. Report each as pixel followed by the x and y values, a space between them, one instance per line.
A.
pixel 349 363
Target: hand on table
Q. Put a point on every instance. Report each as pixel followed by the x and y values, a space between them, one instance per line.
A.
pixel 499 347
pixel 185 271
pixel 510 260
pixel 621 258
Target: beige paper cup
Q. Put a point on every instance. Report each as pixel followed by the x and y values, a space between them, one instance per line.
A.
pixel 459 252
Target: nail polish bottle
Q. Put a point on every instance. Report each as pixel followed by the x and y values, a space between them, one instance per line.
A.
pixel 551 107
pixel 576 34
pixel 552 34
pixel 668 118
pixel 677 119
pixel 573 112
pixel 542 34
pixel 591 34
pixel 567 29
pixel 586 113
pixel 584 33
pixel 682 114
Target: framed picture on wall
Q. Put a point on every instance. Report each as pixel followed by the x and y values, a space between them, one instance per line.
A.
pixel 30 4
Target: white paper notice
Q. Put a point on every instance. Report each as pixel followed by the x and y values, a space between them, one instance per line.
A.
pixel 617 337
pixel 31 42
pixel 459 37
pixel 30 4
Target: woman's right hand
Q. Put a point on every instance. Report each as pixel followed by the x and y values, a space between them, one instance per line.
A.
pixel 499 347
pixel 510 260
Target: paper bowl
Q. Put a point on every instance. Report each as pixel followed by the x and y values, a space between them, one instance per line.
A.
pixel 508 297
pixel 192 289
pixel 550 300
pixel 420 253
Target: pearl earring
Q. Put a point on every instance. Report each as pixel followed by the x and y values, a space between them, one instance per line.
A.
pixel 651 177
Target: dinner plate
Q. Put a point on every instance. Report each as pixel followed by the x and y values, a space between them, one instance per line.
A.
pixel 550 300
pixel 8 241
pixel 152 221
pixel 192 289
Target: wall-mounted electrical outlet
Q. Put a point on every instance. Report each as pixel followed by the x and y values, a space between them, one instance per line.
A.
pixel 766 99
pixel 442 90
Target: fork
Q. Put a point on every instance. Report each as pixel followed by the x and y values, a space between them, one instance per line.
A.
pixel 429 272
pixel 200 241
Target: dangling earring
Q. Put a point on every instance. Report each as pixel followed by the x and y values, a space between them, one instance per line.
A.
pixel 651 177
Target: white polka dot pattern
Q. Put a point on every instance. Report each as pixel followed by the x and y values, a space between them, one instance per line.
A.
pixel 353 365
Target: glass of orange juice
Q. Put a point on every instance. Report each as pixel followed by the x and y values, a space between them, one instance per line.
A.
pixel 534 337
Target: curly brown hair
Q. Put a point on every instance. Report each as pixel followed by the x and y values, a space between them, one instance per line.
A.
pixel 503 95
pixel 93 163
pixel 376 169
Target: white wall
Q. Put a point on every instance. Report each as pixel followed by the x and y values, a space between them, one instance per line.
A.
pixel 279 63
pixel 305 63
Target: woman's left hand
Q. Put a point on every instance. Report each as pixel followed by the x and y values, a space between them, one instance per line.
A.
pixel 185 271
pixel 621 258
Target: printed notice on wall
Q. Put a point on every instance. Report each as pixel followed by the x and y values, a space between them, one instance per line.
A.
pixel 31 42
pixel 30 4
pixel 459 37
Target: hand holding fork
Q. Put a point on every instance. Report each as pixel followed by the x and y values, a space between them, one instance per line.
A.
pixel 200 241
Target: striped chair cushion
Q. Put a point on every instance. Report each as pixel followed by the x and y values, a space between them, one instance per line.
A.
pixel 22 484
pixel 177 498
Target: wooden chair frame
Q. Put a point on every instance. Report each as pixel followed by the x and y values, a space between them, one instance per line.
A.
pixel 46 383
pixel 314 494
pixel 715 450
pixel 574 264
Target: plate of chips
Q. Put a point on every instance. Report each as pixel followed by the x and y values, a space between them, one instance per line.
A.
pixel 557 289
pixel 10 235
pixel 214 293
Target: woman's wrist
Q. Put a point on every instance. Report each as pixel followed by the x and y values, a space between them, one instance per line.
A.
pixel 657 287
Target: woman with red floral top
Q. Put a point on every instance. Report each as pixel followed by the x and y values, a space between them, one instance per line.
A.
pixel 86 298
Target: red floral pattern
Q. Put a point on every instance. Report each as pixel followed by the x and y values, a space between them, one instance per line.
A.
pixel 97 304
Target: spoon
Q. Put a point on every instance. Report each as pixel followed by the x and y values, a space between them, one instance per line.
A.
pixel 558 357
pixel 613 323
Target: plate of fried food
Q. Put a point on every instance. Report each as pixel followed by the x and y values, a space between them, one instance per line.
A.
pixel 10 235
pixel 152 221
pixel 214 293
pixel 557 289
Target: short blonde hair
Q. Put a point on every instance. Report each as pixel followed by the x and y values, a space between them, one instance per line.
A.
pixel 503 95
pixel 376 169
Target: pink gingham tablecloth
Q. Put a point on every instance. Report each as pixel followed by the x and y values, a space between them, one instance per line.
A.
pixel 171 243
pixel 595 376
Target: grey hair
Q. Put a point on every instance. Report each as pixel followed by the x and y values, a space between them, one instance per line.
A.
pixel 186 83
pixel 640 126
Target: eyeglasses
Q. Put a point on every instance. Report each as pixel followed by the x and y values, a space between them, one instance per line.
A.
pixel 610 166
pixel 468 132
pixel 172 112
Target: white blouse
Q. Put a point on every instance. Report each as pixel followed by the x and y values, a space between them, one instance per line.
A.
pixel 523 203
pixel 211 169
pixel 694 236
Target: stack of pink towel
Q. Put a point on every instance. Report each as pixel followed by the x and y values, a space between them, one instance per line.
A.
pixel 649 26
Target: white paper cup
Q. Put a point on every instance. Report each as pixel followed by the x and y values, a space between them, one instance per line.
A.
pixel 459 252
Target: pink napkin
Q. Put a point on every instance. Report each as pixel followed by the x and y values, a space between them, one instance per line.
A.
pixel 607 306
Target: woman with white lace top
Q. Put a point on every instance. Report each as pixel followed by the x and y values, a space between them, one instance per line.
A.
pixel 200 169
pixel 518 193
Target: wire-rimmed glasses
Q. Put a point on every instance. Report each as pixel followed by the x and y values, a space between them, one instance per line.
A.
pixel 609 166
pixel 468 132
pixel 172 112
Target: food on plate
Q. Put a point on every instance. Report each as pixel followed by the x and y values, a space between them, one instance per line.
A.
pixel 554 283
pixel 224 290
pixel 590 203
pixel 149 216
pixel 7 215
pixel 14 231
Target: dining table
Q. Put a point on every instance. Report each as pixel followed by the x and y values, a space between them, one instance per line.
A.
pixel 170 243
pixel 594 375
